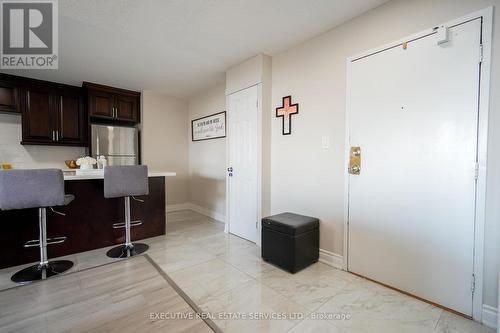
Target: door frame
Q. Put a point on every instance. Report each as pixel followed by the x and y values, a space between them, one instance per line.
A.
pixel 482 141
pixel 259 161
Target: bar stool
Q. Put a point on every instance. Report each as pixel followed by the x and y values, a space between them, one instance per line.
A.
pixel 126 182
pixel 40 188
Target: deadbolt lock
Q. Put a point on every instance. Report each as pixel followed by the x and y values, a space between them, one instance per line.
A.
pixel 355 161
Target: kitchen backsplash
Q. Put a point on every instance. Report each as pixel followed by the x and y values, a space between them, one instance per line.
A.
pixel 28 157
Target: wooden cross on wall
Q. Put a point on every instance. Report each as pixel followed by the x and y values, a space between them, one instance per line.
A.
pixel 285 112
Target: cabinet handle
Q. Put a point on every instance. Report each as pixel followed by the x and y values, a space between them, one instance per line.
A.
pixel 57 135
pixel 53 135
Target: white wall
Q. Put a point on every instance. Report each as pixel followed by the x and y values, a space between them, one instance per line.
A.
pixel 164 142
pixel 246 74
pixel 309 180
pixel 29 157
pixel 207 159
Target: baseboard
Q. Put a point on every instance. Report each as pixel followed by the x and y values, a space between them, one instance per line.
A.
pixel 490 316
pixel 177 207
pixel 201 210
pixel 331 259
pixel 207 212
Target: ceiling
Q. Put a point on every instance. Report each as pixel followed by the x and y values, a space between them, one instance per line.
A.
pixel 180 47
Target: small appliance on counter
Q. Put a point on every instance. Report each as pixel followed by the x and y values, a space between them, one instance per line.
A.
pixel 116 145
pixel 101 162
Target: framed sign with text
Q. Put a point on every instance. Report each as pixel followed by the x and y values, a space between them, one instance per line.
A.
pixel 209 127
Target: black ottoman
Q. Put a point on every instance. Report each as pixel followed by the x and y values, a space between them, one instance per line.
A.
pixel 290 241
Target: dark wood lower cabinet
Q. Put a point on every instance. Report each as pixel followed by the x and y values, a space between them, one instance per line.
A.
pixel 87 224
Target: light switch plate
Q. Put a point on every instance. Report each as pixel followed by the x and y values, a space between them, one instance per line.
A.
pixel 325 142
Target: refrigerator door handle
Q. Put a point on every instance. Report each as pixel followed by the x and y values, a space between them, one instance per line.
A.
pixel 97 144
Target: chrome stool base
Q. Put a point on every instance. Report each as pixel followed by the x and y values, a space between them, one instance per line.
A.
pixel 42 272
pixel 125 251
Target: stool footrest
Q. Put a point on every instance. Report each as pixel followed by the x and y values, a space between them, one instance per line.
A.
pixel 50 241
pixel 31 243
pixel 56 240
pixel 122 224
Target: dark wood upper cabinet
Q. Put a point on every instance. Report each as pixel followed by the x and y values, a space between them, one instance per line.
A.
pixel 9 97
pixel 58 115
pixel 71 120
pixel 101 104
pixel 109 103
pixel 38 116
pixel 127 107
pixel 52 113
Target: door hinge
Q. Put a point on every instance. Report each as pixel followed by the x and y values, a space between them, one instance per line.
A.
pixel 473 284
pixel 257 103
pixel 476 171
pixel 480 53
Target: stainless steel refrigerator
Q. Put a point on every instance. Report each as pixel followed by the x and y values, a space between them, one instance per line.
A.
pixel 120 145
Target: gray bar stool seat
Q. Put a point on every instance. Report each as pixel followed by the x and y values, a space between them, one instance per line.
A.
pixel 42 189
pixel 126 182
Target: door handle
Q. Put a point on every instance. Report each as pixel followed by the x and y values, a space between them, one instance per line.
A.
pixel 230 170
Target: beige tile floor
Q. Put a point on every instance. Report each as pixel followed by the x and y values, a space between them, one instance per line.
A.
pixel 118 297
pixel 225 276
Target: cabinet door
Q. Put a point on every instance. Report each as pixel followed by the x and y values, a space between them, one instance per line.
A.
pixel 38 122
pixel 101 104
pixel 71 124
pixel 9 97
pixel 127 108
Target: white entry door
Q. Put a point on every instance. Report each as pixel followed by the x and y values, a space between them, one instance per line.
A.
pixel 414 114
pixel 243 163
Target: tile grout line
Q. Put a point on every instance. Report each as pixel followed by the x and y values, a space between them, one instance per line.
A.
pixel 438 320
pixel 183 295
pixel 286 297
pixel 62 275
pixel 319 306
pixel 252 278
pixel 276 291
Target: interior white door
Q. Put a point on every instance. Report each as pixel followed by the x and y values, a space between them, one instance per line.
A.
pixel 414 113
pixel 243 163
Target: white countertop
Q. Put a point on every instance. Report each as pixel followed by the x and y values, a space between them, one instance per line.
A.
pixel 70 174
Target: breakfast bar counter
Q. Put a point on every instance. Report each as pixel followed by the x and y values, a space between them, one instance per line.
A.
pixel 88 221
pixel 99 174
